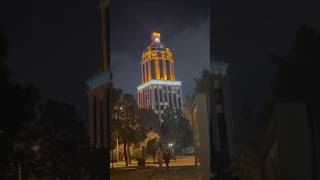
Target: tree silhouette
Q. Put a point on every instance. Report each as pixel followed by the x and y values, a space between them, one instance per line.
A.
pixel 176 128
pixel 50 147
pixel 127 126
pixel 18 108
pixel 298 76
pixel 203 84
pixel 149 119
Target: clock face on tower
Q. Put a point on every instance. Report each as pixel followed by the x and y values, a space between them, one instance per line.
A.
pixel 157 40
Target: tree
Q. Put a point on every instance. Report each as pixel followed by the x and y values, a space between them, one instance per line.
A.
pixel 129 130
pixel 176 128
pixel 46 146
pixel 18 108
pixel 152 146
pixel 149 119
pixel 61 118
pixel 50 147
pixel 203 84
pixel 115 94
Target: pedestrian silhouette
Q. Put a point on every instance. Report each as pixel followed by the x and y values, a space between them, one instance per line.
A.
pixel 159 156
pixel 167 157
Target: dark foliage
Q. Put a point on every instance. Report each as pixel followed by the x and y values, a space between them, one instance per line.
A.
pixel 298 76
pixel 175 128
pixel 40 141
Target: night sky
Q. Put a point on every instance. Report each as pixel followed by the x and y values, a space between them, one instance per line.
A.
pixel 56 44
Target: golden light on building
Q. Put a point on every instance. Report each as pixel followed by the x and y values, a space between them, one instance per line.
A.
pixel 157 62
pixel 155 34
pixel 158 89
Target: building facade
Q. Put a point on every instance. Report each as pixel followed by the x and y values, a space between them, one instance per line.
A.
pixel 99 86
pixel 200 121
pixel 219 126
pixel 158 89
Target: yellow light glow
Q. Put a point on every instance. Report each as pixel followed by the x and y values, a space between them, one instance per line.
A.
pixel 157 69
pixel 155 34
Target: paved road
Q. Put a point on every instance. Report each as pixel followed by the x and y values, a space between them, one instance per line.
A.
pixel 180 161
pixel 180 173
pixel 182 169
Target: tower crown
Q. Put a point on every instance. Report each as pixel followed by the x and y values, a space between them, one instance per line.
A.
pixel 155 38
pixel 156 61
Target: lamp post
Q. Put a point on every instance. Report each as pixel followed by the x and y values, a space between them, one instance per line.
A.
pixel 118 137
pixel 117 149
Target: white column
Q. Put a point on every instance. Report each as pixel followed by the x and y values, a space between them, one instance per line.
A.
pixel 153 100
pixel 181 98
pixel 168 98
pixel 158 92
pixel 177 100
pixel 172 97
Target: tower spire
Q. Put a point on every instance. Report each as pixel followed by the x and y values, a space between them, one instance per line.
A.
pixel 155 37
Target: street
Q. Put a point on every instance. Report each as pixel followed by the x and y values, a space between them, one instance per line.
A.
pixel 182 168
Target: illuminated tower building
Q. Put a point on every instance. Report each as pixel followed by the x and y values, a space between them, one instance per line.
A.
pixel 158 89
pixel 99 85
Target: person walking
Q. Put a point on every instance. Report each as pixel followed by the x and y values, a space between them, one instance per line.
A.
pixel 159 156
pixel 173 154
pixel 167 157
